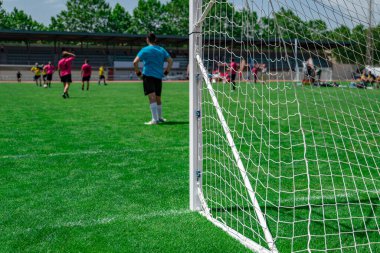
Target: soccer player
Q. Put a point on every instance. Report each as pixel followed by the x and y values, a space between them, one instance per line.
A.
pixel 101 75
pixel 18 76
pixel 37 73
pixel 64 70
pixel 49 69
pixel 255 71
pixel 153 57
pixel 233 69
pixel 86 74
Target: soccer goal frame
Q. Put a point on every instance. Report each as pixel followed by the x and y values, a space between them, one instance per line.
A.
pixel 198 74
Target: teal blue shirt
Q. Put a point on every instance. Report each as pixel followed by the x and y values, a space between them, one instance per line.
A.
pixel 153 57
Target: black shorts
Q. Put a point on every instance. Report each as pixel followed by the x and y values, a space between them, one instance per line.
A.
pixel 44 77
pixel 49 77
pixel 101 77
pixel 66 79
pixel 152 84
pixel 233 77
pixel 35 78
pixel 86 78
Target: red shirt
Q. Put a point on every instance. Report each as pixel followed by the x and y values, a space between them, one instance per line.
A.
pixel 86 70
pixel 49 69
pixel 65 65
pixel 233 68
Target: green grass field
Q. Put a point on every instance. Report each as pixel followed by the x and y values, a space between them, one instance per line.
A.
pixel 86 175
pixel 312 153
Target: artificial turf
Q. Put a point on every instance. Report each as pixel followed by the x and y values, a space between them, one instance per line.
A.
pixel 86 175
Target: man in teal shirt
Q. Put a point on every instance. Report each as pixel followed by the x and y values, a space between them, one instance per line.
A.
pixel 153 58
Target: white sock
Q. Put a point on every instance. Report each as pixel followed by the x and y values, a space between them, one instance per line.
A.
pixel 159 111
pixel 153 109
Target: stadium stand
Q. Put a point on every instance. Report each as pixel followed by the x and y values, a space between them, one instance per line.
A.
pixel 19 53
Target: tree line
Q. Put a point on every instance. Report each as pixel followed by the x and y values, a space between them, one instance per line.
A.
pixel 99 16
pixel 172 18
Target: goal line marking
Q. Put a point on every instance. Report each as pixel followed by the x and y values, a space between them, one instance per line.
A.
pixel 105 220
pixel 90 152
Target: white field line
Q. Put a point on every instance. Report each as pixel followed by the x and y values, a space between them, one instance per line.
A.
pixel 105 220
pixel 89 152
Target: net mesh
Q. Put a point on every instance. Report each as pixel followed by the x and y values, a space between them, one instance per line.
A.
pixel 308 140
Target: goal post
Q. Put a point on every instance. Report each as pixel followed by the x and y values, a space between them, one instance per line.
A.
pixel 194 108
pixel 279 164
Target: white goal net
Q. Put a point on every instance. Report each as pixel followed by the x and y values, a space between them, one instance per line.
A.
pixel 285 122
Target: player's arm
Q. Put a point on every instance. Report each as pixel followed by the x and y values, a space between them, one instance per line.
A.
pixel 169 60
pixel 68 53
pixel 136 66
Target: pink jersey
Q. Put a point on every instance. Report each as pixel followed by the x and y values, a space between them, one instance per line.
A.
pixel 233 67
pixel 49 69
pixel 86 69
pixel 64 65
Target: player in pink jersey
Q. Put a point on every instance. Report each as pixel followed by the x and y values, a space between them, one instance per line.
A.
pixel 233 70
pixel 49 69
pixel 86 74
pixel 64 70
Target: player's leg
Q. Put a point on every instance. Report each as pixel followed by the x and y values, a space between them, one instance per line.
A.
pixel 233 77
pixel 149 90
pixel 66 89
pixel 153 106
pixel 49 78
pixel 158 90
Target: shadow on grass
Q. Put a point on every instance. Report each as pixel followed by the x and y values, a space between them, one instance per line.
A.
pixel 175 123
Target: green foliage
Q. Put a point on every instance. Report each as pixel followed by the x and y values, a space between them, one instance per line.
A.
pixel 176 18
pixel 83 16
pixel 148 17
pixel 19 20
pixel 119 20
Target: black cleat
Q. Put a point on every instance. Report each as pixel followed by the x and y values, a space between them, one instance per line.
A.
pixel 64 95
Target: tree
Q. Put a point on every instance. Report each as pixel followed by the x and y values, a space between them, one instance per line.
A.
pixel 83 16
pixel 3 17
pixel 176 18
pixel 19 20
pixel 119 21
pixel 148 17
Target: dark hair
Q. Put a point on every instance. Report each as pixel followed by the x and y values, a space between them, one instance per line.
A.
pixel 152 37
pixel 86 61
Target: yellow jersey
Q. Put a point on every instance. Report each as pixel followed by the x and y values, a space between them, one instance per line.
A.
pixel 101 71
pixel 36 70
